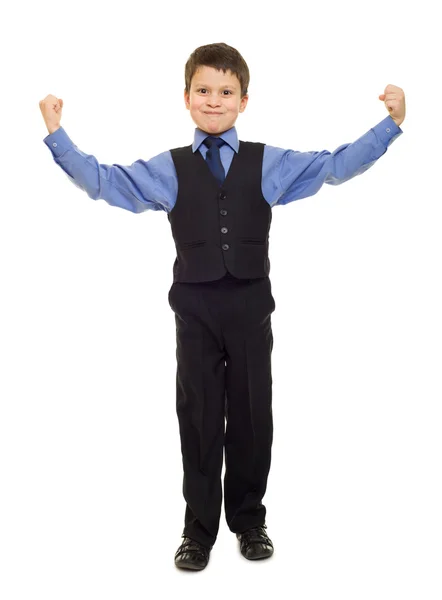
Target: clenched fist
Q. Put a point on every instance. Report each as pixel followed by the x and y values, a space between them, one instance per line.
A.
pixel 394 99
pixel 51 108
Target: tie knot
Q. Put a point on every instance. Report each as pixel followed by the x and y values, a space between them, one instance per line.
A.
pixel 211 141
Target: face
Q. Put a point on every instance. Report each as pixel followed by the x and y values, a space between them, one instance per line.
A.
pixel 215 92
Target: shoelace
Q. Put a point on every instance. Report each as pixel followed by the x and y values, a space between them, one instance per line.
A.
pixel 256 534
pixel 191 545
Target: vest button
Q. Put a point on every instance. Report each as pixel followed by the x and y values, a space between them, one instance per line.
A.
pixel 225 246
pixel 224 229
pixel 223 195
pixel 223 212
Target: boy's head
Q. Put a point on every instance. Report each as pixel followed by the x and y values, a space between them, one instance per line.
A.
pixel 217 79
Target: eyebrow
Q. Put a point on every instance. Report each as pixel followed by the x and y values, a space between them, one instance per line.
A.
pixel 227 85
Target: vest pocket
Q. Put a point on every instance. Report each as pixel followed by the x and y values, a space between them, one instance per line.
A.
pixel 185 245
pixel 252 241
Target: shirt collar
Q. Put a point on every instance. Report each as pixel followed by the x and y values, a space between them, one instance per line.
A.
pixel 230 137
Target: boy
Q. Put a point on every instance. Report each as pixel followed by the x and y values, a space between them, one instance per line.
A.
pixel 218 194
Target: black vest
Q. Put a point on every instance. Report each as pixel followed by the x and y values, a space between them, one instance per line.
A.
pixel 220 229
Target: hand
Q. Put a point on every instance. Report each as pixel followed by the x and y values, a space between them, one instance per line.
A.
pixel 394 99
pixel 51 109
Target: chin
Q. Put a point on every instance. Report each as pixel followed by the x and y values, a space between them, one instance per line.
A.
pixel 213 127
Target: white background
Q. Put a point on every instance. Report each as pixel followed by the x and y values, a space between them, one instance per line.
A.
pixel 90 465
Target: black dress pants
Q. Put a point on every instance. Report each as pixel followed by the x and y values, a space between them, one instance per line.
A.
pixel 224 400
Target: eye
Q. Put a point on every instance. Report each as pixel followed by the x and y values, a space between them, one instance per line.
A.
pixel 203 89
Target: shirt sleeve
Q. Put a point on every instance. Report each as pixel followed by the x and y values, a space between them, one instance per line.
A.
pixel 302 174
pixel 132 188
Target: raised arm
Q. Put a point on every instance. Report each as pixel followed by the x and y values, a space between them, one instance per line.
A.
pixel 298 175
pixel 132 188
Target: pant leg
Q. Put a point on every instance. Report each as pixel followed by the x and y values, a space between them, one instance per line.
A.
pixel 200 404
pixel 249 430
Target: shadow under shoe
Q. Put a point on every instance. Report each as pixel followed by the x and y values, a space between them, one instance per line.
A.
pixel 255 543
pixel 192 555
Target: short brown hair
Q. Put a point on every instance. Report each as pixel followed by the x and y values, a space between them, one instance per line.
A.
pixel 221 57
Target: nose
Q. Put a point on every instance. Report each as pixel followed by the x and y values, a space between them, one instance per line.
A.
pixel 213 101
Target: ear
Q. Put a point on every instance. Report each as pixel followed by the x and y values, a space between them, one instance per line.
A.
pixel 186 99
pixel 243 104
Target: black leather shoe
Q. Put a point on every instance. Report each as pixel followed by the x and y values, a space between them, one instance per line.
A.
pixel 192 555
pixel 255 543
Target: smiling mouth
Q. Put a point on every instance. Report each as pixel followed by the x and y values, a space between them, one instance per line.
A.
pixel 213 114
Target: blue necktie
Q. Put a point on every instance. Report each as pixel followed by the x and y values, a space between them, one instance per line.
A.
pixel 213 157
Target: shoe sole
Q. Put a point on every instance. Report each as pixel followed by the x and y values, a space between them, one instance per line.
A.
pixel 257 557
pixel 190 567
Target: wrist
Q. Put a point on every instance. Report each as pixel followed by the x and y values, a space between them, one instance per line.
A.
pixel 53 128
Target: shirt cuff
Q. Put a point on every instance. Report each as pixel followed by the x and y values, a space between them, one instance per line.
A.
pixel 58 142
pixel 386 131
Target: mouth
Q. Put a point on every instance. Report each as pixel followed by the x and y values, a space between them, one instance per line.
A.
pixel 213 113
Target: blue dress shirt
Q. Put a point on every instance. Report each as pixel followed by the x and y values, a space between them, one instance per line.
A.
pixel 287 175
